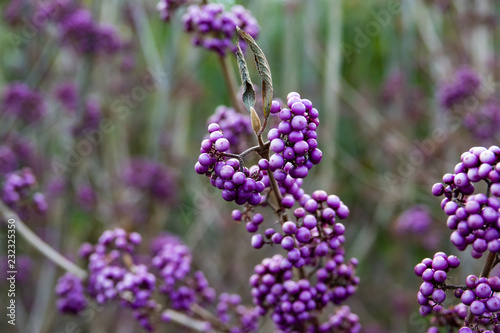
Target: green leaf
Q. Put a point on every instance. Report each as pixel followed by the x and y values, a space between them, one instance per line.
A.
pixel 248 90
pixel 263 69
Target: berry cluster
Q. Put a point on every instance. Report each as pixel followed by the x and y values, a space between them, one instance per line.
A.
pixel 168 7
pixel 416 220
pixel 480 296
pixel 343 320
pixel 79 30
pixel 434 273
pixel 484 122
pixel 214 27
pixel 150 177
pixel 294 141
pixel 70 293
pixel 315 238
pixel 106 264
pixel 235 126
pixel 19 100
pixel 237 317
pixel 294 304
pixel 90 118
pixel 17 193
pixel 473 217
pixel 113 276
pixel 464 84
pixel 67 94
pixel 237 183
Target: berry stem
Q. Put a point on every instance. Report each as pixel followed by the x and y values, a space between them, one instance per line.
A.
pixel 263 147
pixel 230 83
pixel 488 265
pixel 205 315
pixel 44 248
pixel 453 287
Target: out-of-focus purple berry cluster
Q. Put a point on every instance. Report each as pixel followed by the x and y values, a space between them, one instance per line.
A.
pixel 480 112
pixel 464 85
pixel 113 275
pixel 416 223
pixel 168 7
pixel 70 293
pixel 18 192
pixel 78 28
pixel 150 177
pixel 22 102
pixel 484 122
pixel 214 27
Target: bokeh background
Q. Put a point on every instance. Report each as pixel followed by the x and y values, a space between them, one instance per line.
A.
pixel 376 71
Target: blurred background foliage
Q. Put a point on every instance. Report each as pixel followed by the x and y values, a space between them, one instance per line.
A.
pixel 376 91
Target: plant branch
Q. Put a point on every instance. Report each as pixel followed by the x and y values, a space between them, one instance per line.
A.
pixel 231 84
pixel 186 321
pixel 488 265
pixel 44 248
pixel 205 315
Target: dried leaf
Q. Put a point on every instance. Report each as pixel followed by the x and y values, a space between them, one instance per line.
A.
pixel 263 69
pixel 248 90
pixel 256 125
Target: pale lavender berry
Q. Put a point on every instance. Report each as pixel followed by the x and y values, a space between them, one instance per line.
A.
pixel 299 123
pixel 257 241
pixel 467 297
pixel 321 250
pixel 275 107
pixel 222 144
pixel 483 290
pixel 236 215
pixel 495 189
pixel 311 206
pixel 303 235
pixel 213 127
pixel 343 211
pixel 438 296
pixel 477 308
pixel 310 221
pixel 461 180
pixel 487 156
pixel 289 228
pixel 439 263
pixel 287 243
pixel 426 288
pixel 493 304
pixel 453 261
pixel 298 108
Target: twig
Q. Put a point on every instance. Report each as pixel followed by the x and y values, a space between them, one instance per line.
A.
pixel 184 320
pixel 204 314
pixel 40 245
